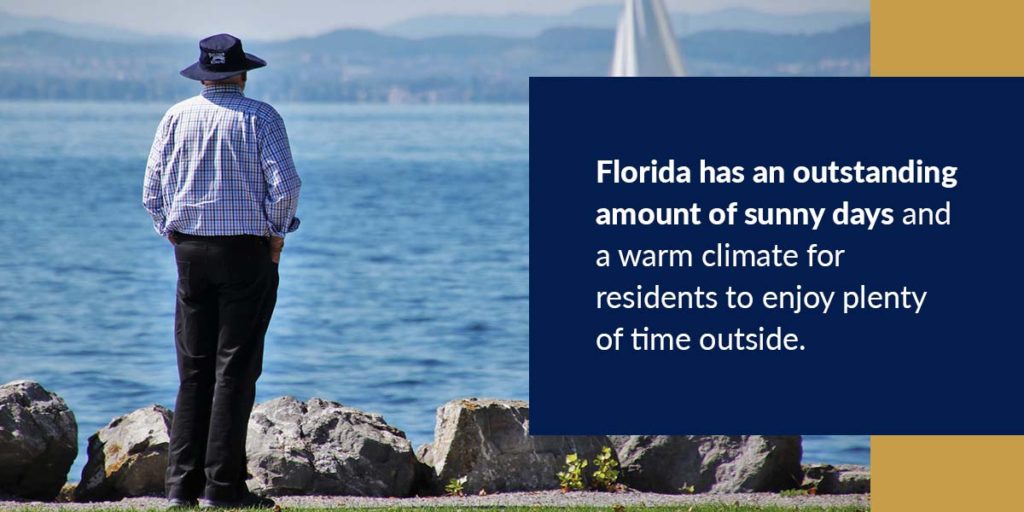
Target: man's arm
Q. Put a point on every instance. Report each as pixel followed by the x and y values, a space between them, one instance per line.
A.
pixel 152 188
pixel 283 183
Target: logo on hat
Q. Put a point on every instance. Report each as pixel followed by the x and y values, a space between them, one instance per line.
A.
pixel 217 58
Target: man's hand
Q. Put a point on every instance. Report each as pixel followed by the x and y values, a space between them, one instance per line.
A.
pixel 276 246
pixel 170 238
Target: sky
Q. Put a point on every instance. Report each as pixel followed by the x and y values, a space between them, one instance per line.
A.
pixel 285 19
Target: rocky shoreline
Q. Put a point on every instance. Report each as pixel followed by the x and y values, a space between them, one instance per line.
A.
pixel 326 451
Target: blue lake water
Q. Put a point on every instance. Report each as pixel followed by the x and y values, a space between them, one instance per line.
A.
pixel 405 287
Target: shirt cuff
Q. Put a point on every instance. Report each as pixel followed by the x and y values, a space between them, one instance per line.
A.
pixel 159 227
pixel 292 226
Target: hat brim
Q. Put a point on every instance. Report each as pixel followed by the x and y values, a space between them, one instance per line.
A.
pixel 196 72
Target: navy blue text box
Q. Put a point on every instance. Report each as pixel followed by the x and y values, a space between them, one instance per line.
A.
pixel 955 368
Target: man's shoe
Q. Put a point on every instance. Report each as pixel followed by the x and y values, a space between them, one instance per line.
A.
pixel 250 500
pixel 181 504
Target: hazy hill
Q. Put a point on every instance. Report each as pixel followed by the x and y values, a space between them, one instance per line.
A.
pixel 362 65
pixel 606 16
pixel 12 24
pixel 510 25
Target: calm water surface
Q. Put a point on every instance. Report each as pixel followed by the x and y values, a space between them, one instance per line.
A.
pixel 405 287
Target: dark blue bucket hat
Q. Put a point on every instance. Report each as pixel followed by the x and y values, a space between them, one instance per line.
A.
pixel 221 57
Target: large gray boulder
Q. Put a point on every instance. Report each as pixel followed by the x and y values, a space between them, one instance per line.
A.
pixel 38 441
pixel 670 464
pixel 128 457
pixel 323 447
pixel 838 479
pixel 487 442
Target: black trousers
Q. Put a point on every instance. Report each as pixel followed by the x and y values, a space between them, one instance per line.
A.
pixel 227 288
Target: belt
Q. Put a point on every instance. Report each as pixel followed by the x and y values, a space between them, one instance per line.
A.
pixel 217 238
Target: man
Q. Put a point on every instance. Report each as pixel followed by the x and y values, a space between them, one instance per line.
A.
pixel 221 186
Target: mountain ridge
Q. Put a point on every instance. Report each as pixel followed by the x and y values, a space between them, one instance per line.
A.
pixel 358 65
pixel 508 25
pixel 606 16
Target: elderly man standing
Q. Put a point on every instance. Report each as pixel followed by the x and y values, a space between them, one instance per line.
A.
pixel 221 186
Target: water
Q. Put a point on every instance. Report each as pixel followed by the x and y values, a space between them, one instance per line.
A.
pixel 405 287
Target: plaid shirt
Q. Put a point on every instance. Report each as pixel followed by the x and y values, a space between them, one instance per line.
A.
pixel 221 165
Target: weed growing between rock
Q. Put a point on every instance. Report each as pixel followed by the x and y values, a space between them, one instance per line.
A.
pixel 572 478
pixel 604 478
pixel 455 486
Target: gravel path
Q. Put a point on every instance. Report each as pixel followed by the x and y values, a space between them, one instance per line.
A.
pixel 545 498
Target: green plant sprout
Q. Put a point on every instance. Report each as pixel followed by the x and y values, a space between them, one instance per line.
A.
pixel 605 475
pixel 572 478
pixel 455 486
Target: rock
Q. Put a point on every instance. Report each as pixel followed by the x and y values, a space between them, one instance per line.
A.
pixel 424 455
pixel 487 442
pixel 723 464
pixel 838 479
pixel 323 447
pixel 128 457
pixel 67 493
pixel 425 482
pixel 38 441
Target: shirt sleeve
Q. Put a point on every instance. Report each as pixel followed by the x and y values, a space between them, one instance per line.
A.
pixel 283 181
pixel 152 187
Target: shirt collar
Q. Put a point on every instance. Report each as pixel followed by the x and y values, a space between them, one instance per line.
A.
pixel 209 90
